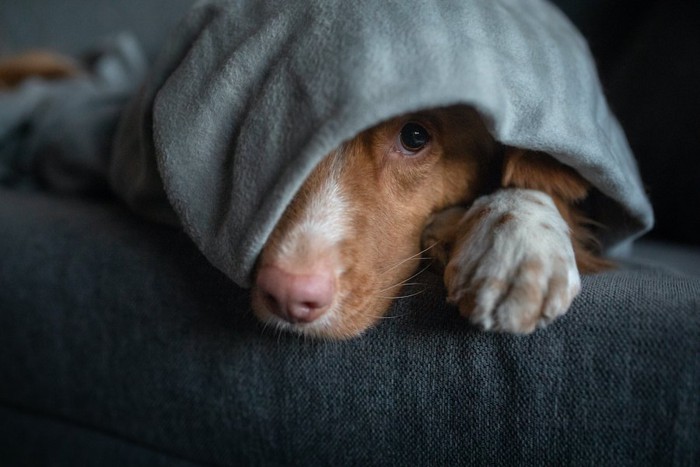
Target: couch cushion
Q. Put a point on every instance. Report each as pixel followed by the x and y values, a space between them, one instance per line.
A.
pixel 32 439
pixel 123 329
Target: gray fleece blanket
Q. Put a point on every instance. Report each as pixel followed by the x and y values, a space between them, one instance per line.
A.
pixel 59 133
pixel 248 96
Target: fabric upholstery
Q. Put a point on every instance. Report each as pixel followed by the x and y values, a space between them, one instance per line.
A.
pixel 33 439
pixel 121 328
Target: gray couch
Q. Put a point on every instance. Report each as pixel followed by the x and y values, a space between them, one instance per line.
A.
pixel 121 345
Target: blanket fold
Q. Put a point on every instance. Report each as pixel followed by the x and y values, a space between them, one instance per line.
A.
pixel 59 133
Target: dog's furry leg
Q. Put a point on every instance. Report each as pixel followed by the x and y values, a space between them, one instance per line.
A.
pixel 511 258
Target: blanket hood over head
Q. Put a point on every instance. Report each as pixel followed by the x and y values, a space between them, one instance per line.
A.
pixel 248 96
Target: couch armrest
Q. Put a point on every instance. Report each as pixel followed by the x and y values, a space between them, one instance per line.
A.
pixel 124 329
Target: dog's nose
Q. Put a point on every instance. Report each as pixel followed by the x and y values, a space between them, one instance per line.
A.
pixel 296 297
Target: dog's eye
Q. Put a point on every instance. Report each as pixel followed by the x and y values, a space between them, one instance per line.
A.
pixel 413 137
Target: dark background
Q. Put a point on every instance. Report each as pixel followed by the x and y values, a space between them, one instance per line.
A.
pixel 648 52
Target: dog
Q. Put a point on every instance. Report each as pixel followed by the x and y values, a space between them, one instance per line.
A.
pixel 38 64
pixel 503 223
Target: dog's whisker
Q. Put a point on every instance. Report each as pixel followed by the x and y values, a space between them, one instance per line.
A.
pixel 400 284
pixel 391 316
pixel 398 297
pixel 418 255
pixel 403 261
pixel 279 334
pixel 266 324
pixel 405 281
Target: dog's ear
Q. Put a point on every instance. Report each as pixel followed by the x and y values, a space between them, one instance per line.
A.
pixel 541 172
pixel 46 65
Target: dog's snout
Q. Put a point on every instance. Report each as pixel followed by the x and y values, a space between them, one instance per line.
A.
pixel 297 298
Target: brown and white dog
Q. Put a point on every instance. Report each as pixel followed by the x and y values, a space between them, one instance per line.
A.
pixel 352 235
pixel 38 63
pixel 502 222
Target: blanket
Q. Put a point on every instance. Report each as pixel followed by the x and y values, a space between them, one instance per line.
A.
pixel 59 133
pixel 247 97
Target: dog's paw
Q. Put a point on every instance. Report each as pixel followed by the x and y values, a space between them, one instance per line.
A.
pixel 512 266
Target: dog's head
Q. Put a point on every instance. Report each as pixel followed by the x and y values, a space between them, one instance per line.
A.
pixel 351 236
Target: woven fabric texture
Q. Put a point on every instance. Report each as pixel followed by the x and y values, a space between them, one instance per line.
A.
pixel 125 329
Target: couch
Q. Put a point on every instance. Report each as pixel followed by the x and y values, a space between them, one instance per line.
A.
pixel 122 345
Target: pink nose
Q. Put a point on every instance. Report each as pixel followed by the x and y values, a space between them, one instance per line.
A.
pixel 296 297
